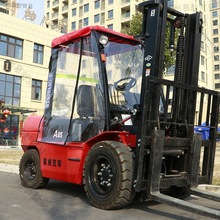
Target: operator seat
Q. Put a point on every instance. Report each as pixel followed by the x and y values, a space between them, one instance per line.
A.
pixel 86 101
pixel 85 126
pixel 131 99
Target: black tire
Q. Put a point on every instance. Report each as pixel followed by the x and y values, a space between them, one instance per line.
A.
pixel 108 175
pixel 30 172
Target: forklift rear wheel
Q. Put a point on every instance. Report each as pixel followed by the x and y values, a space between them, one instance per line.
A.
pixel 29 170
pixel 108 175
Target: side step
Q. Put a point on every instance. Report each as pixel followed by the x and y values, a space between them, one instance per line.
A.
pixel 153 189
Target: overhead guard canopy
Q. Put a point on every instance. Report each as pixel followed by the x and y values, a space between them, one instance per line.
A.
pixel 72 36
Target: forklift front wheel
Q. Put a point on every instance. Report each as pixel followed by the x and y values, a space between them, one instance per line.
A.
pixel 29 170
pixel 108 175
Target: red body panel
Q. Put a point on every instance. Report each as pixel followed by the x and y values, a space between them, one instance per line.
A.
pixel 65 162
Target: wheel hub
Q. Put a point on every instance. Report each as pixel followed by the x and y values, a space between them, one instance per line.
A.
pixel 105 175
pixel 30 171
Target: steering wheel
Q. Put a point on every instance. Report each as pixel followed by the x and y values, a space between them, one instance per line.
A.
pixel 126 86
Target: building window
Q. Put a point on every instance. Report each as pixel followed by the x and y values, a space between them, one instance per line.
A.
pixel 170 3
pixel 110 26
pixel 86 8
pixel 38 53
pixel 85 21
pixel 110 14
pixel 216 49
pixel 110 2
pixel 10 46
pixel 73 12
pixel 203 76
pixel 215 22
pixel 215 40
pixel 97 4
pixel 10 128
pixel 214 14
pixel 110 60
pixel 217 76
pixel 73 25
pixel 96 18
pixel 216 67
pixel 202 45
pixel 36 89
pixel 215 31
pixel 80 11
pixel 109 73
pixel 80 24
pixel 84 64
pixel 216 57
pixel 214 4
pixel 74 1
pixel 102 18
pixel 202 60
pixel 48 4
pixel 10 89
pixel 217 85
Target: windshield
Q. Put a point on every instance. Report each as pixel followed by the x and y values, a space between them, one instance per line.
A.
pixel 124 64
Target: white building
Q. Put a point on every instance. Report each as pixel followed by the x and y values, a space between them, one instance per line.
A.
pixel 214 40
pixel 68 15
pixel 206 57
pixel 24 58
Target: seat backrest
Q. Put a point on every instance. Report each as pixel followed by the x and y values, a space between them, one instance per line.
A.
pixel 86 101
pixel 131 99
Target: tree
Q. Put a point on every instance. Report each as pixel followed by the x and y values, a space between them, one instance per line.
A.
pixel 136 29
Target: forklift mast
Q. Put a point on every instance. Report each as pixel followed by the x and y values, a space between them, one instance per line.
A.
pixel 167 132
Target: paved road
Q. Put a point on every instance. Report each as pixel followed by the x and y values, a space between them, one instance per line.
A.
pixel 67 201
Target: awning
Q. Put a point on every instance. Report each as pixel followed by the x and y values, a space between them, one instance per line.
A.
pixel 21 110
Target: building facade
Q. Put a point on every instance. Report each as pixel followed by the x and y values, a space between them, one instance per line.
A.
pixel 69 15
pixel 8 7
pixel 214 41
pixel 24 58
pixel 206 54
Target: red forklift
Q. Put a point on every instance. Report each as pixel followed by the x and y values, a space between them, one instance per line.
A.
pixel 113 123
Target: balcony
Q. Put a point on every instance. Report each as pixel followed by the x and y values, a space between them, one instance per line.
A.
pixel 65 8
pixel 125 25
pixel 54 24
pixel 2 4
pixel 65 17
pixel 55 3
pixel 55 14
pixel 3 7
pixel 125 16
pixel 125 3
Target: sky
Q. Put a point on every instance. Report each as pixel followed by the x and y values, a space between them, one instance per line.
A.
pixel 37 6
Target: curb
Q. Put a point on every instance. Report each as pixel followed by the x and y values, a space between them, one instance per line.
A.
pixel 9 168
pixel 209 188
pixel 10 147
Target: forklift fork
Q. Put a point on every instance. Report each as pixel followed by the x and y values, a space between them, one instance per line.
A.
pixel 153 189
